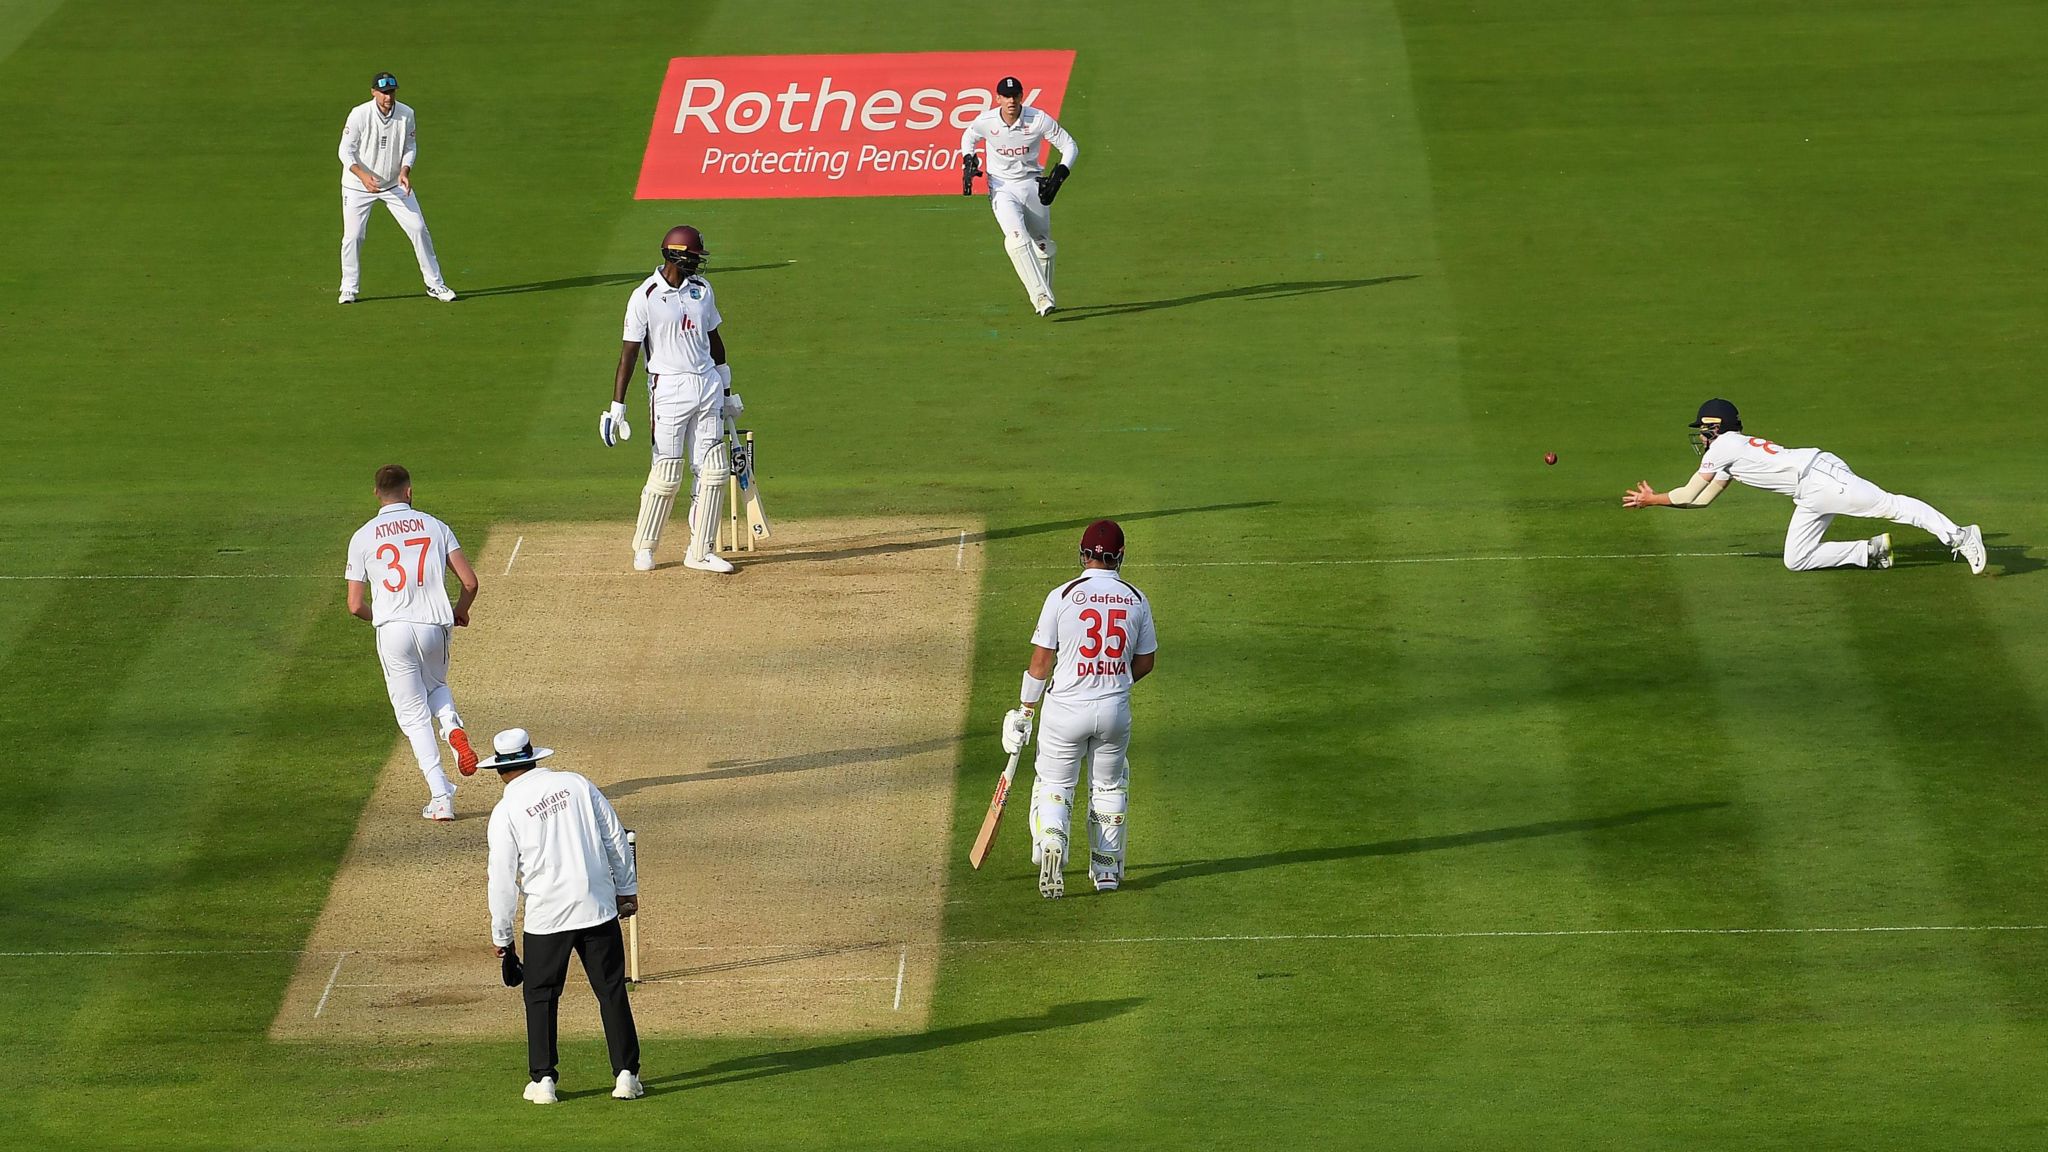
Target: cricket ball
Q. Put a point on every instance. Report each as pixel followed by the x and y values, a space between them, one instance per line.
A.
pixel 1550 457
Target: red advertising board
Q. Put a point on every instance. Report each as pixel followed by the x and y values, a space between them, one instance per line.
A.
pixel 887 124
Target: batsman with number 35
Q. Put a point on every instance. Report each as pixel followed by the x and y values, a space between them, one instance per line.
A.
pixel 1093 641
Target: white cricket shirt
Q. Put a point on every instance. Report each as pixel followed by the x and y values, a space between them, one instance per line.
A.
pixel 1757 462
pixel 556 838
pixel 1096 622
pixel 383 144
pixel 674 325
pixel 1013 148
pixel 402 554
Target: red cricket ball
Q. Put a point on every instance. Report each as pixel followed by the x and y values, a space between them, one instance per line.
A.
pixel 1550 457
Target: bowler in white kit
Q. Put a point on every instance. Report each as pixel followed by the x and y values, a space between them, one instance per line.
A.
pixel 1094 640
pixel 1020 190
pixel 673 317
pixel 397 580
pixel 1821 487
pixel 379 144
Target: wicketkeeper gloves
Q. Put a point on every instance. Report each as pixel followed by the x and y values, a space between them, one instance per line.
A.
pixel 1049 185
pixel 970 167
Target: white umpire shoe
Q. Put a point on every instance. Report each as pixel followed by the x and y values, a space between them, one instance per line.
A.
pixel 444 294
pixel 643 560
pixel 441 809
pixel 347 298
pixel 1972 549
pixel 1881 550
pixel 709 562
pixel 1051 883
pixel 541 1091
pixel 628 1087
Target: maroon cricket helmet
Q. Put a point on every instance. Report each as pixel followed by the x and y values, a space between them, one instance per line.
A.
pixel 1103 541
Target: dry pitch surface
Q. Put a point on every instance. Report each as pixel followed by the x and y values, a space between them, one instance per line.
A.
pixel 783 740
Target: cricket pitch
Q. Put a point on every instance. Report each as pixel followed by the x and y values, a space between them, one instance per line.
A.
pixel 783 740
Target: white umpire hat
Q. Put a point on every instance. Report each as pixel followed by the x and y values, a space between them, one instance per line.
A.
pixel 515 749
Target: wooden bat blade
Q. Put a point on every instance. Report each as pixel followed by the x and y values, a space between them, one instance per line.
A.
pixel 994 819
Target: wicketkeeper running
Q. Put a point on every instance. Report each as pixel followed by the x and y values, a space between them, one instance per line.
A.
pixel 1020 190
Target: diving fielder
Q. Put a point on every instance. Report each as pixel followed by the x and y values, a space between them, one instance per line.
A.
pixel 1093 641
pixel 1821 487
pixel 400 559
pixel 1019 190
pixel 378 147
pixel 674 317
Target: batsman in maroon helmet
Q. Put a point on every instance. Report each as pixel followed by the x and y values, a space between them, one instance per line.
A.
pixel 1093 641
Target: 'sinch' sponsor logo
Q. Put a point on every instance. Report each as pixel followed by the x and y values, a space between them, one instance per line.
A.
pixel 889 124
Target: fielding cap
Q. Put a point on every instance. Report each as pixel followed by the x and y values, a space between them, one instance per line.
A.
pixel 384 82
pixel 1719 411
pixel 1103 540
pixel 514 749
pixel 1009 86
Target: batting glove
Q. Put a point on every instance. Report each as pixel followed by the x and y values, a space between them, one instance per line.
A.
pixel 612 426
pixel 1016 730
pixel 734 405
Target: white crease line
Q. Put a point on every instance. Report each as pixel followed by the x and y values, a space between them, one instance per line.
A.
pixel 514 559
pixel 960 554
pixel 331 978
pixel 663 980
pixel 902 961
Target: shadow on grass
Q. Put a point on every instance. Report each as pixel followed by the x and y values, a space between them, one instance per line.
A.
pixel 881 1047
pixel 601 280
pixel 942 541
pixel 1278 290
pixel 1169 871
pixel 809 761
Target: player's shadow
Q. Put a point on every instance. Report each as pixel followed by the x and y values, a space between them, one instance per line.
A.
pixel 601 280
pixel 1153 875
pixel 782 1063
pixel 892 547
pixel 808 762
pixel 1278 290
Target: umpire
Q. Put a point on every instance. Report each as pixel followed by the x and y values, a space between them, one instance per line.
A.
pixel 555 837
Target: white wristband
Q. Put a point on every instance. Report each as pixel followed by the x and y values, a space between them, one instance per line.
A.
pixel 1033 689
pixel 725 375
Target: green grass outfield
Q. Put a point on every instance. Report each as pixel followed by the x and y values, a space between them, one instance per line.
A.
pixel 1364 792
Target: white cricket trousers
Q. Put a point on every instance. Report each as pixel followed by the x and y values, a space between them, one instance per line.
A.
pixel 415 659
pixel 1027 235
pixel 1098 731
pixel 688 412
pixel 355 220
pixel 1829 489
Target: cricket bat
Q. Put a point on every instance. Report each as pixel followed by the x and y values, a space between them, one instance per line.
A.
pixel 994 819
pixel 757 516
pixel 633 921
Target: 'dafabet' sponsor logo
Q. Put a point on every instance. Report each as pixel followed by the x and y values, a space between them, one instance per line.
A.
pixel 885 124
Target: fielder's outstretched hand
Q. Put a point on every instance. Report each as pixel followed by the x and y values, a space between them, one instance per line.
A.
pixel 612 426
pixel 1639 496
pixel 1016 730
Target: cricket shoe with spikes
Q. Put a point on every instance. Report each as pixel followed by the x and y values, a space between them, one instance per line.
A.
pixel 643 560
pixel 1052 883
pixel 1881 550
pixel 709 562
pixel 1971 548
pixel 465 756
pixel 627 1087
pixel 444 294
pixel 348 298
pixel 541 1091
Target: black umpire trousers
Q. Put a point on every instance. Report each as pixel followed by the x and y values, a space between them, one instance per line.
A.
pixel 602 949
